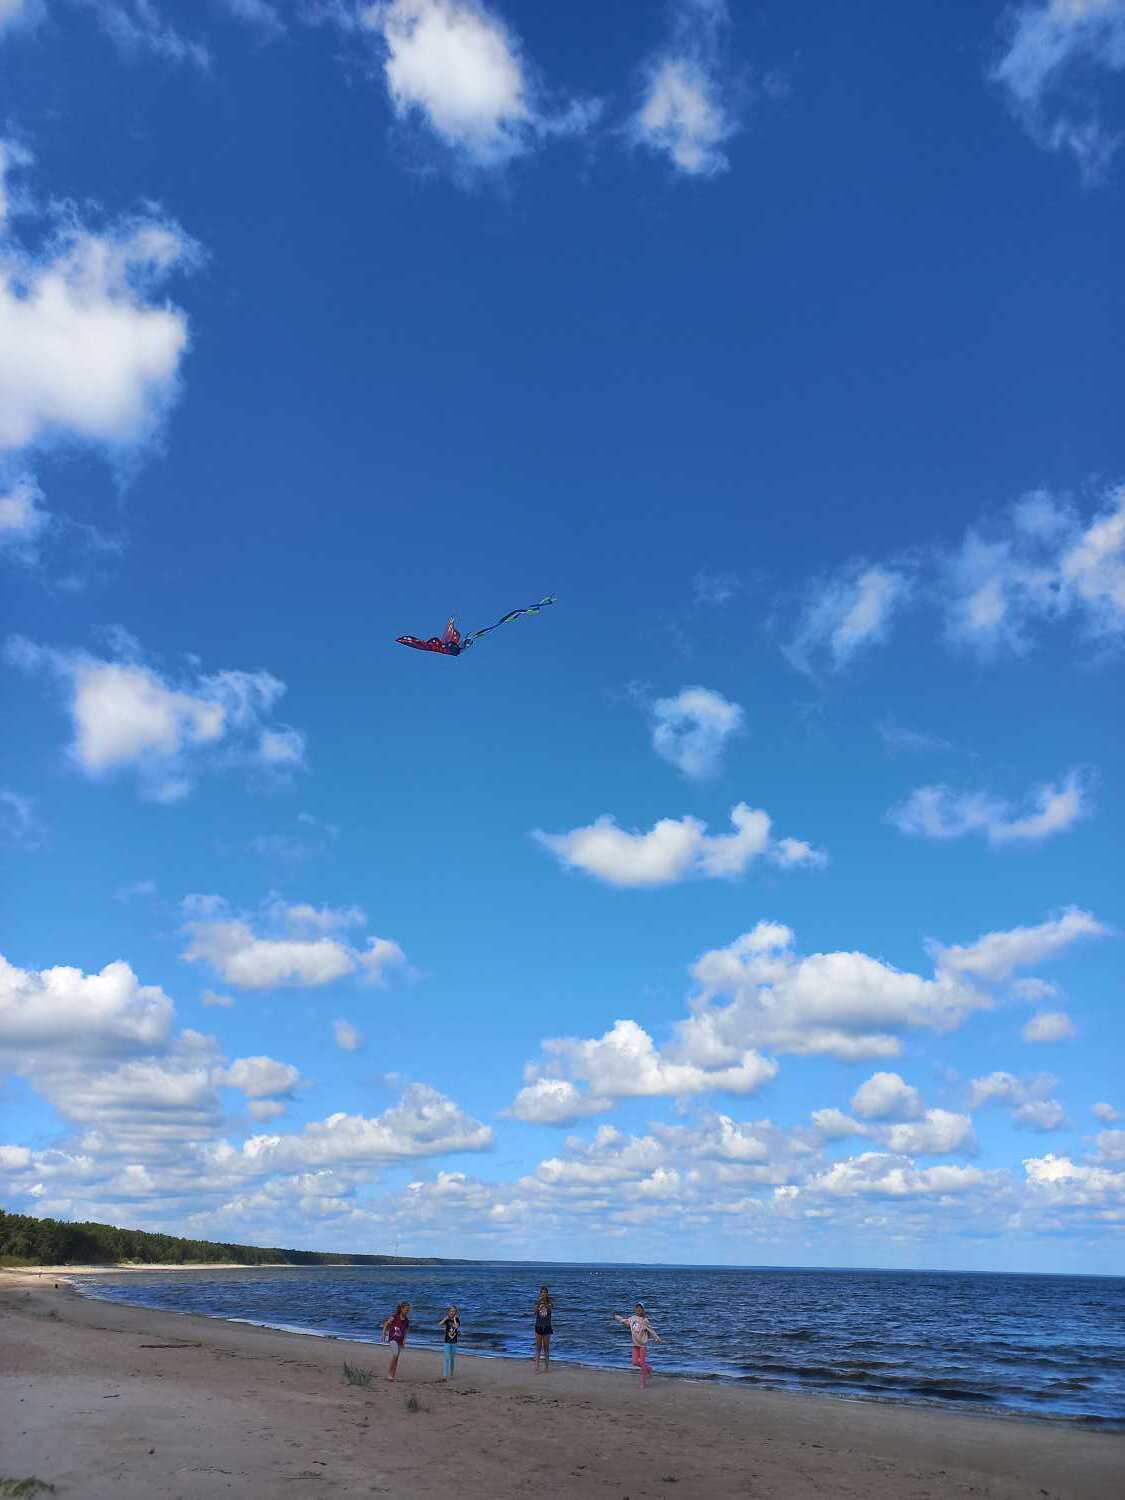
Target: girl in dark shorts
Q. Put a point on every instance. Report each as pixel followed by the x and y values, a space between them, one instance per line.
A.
pixel 544 1327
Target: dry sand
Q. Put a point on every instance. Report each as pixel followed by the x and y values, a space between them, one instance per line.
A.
pixel 103 1400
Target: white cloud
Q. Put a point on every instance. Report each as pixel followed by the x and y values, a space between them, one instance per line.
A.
pixel 294 950
pixel 936 812
pixel 87 353
pixel 898 737
pixel 848 613
pixel 212 998
pixel 1033 990
pixel 265 1109
pixel 348 1037
pixel 259 13
pixel 686 112
pixel 259 1077
pixel 1026 1098
pixel 834 1125
pixel 110 1013
pixel 847 1005
pixel 282 747
pixel 457 66
pixel 137 27
pixel 995 955
pixel 1043 563
pixel 22 520
pixel 1063 1183
pixel 625 1064
pixel 555 1101
pixel 423 1123
pixel 674 849
pixel 126 714
pixel 887 1096
pixel 939 1132
pixel 1106 1112
pixel 20 828
pixel 1111 1145
pixel 691 730
pixel 1054 51
pixel 1049 1026
pixel 877 1174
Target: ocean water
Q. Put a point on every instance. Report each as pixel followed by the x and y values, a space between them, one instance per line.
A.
pixel 1044 1346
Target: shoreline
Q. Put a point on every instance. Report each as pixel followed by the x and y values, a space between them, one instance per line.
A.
pixel 981 1410
pixel 104 1399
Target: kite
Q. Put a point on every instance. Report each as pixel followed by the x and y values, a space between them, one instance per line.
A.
pixel 452 643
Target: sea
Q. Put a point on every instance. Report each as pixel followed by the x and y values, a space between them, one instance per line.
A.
pixel 1038 1346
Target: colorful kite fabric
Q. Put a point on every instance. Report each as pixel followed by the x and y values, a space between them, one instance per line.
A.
pixel 452 643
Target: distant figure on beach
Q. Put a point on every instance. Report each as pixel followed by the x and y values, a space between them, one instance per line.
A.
pixel 452 1325
pixel 394 1331
pixel 641 1330
pixel 544 1328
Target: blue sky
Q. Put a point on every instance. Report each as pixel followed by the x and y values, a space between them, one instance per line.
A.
pixel 757 902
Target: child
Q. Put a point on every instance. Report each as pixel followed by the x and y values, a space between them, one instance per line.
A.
pixel 544 1327
pixel 642 1330
pixel 394 1331
pixel 452 1325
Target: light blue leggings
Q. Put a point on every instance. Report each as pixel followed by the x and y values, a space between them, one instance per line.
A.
pixel 450 1355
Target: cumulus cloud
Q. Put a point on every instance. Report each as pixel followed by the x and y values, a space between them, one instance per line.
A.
pixel 1041 563
pixel 1064 1184
pixel 686 112
pixel 887 1096
pixel 1049 1026
pixel 1106 1112
pixel 458 68
pixel 691 730
pixel 757 992
pixel 105 1014
pixel 937 812
pixel 584 1076
pixel 259 1077
pixel 675 849
pixel 847 613
pixel 424 1122
pixel 937 1133
pixel 1054 53
pixel 994 956
pixel 128 715
pixel 88 351
pixel 1028 1099
pixel 293 951
pixel 881 1175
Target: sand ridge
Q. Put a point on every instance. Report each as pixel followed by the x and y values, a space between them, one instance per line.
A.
pixel 105 1400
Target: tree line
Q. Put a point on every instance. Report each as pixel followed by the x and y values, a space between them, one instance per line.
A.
pixel 57 1242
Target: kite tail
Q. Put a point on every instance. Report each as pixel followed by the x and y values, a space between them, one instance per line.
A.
pixel 513 614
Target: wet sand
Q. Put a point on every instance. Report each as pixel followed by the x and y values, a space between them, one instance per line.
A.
pixel 103 1400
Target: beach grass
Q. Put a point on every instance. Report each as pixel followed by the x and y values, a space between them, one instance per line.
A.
pixel 18 1488
pixel 355 1376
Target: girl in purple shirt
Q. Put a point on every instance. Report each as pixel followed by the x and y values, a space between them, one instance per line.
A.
pixel 394 1331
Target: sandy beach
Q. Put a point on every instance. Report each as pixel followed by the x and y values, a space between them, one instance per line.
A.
pixel 104 1400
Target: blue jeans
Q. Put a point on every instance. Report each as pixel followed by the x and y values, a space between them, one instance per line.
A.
pixel 450 1354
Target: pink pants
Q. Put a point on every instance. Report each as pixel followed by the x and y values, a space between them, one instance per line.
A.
pixel 640 1359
